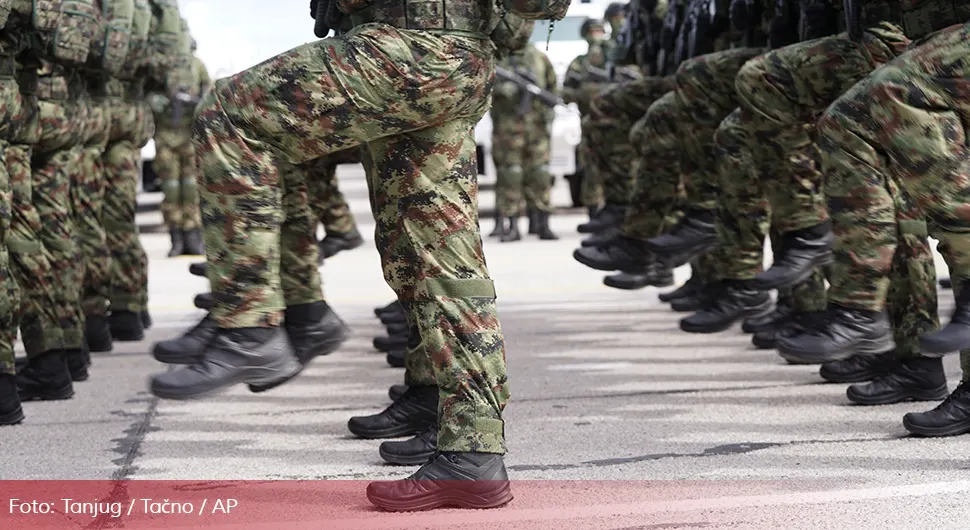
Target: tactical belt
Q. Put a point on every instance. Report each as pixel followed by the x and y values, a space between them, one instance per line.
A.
pixel 440 15
pixel 920 20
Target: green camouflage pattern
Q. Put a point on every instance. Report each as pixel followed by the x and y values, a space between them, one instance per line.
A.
pixel 705 96
pixel 608 154
pixel 416 114
pixel 783 92
pixel 657 188
pixel 92 270
pixel 176 167
pixel 521 145
pixel 326 200
pixel 131 128
pixel 577 86
pixel 299 277
pixel 902 129
pixel 742 208
pixel 58 149
pixel 13 113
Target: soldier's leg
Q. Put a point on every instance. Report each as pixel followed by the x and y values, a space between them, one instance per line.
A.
pixel 331 208
pixel 609 152
pixel 129 263
pixel 590 190
pixel 742 223
pixel 508 155
pixel 87 199
pixel 705 96
pixel 191 214
pixel 166 166
pixel 537 182
pixel 781 94
pixel 11 412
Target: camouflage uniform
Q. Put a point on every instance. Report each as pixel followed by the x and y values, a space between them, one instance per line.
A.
pixel 326 200
pixel 900 129
pixel 422 181
pixel 521 143
pixel 782 93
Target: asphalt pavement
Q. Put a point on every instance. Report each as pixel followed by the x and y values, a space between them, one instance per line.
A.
pixel 605 387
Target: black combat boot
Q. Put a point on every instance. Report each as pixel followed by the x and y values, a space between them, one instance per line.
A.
pixel 410 414
pixel 764 340
pixel 257 356
pixel 602 238
pixel 768 322
pixel 692 287
pixel 146 320
pixel 914 379
pixel 950 418
pixel 465 480
pixel 844 333
pixel 692 236
pixel 45 377
pixel 192 243
pixel 198 269
pixel 611 215
pixel 396 328
pixel 392 307
pixel 624 254
pixel 10 411
pixel 396 391
pixel 801 252
pixel 97 332
pixel 533 220
pixel 312 330
pixel 499 227
pixel 593 212
pixel 955 336
pixel 734 301
pixel 796 323
pixel 396 358
pixel 178 244
pixel 542 227
pixel 396 318
pixel 512 234
pixel 78 362
pixel 413 451
pixel 126 326
pixel 188 348
pixel 858 368
pixel 655 274
pixel 333 243
pixel 391 342
pixel 701 299
pixel 204 301
pixel 946 283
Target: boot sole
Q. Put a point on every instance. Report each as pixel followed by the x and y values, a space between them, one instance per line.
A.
pixel 748 313
pixel 325 348
pixel 13 417
pixel 405 460
pixel 936 394
pixel 955 429
pixel 611 267
pixel 800 278
pixel 446 498
pixel 869 347
pixel 397 432
pixel 268 375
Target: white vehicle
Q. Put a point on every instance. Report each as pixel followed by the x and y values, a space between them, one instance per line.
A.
pixel 565 44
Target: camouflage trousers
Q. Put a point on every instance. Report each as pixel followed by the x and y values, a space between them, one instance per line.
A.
pixel 92 271
pixel 57 152
pixel 302 105
pixel 16 110
pixel 177 169
pixel 299 277
pixel 326 200
pixel 608 155
pixel 132 125
pixel 590 191
pixel 521 152
pixel 903 129
pixel 782 93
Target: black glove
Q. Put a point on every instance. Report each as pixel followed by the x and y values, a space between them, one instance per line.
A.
pixel 321 29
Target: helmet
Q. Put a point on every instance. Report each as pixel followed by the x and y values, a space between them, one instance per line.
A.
pixel 615 9
pixel 512 33
pixel 590 25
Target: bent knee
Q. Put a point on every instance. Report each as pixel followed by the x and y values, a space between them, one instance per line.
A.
pixel 765 85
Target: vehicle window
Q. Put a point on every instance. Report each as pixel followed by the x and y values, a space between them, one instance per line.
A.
pixel 565 29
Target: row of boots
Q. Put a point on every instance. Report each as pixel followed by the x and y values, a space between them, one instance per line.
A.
pixel 507 228
pixel 186 242
pixel 50 376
